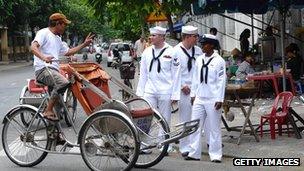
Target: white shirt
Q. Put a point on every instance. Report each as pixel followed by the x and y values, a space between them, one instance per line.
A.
pixel 216 79
pixel 49 45
pixel 154 82
pixel 139 47
pixel 186 76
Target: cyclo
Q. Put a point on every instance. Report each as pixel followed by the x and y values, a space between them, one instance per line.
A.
pixel 112 137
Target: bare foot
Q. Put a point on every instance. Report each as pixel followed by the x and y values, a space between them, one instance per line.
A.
pixel 50 116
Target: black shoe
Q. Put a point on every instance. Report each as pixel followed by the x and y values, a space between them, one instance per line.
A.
pixel 166 153
pixel 185 154
pixel 216 161
pixel 190 158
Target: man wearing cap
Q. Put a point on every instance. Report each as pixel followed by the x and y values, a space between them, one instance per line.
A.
pixel 47 46
pixel 139 47
pixel 159 72
pixel 207 91
pixel 187 52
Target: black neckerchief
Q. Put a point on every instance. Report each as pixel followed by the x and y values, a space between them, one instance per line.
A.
pixel 156 58
pixel 190 58
pixel 202 71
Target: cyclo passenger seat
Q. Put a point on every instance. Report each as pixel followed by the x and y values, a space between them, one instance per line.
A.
pixel 35 86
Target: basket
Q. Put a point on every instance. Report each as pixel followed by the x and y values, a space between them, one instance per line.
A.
pixel 127 71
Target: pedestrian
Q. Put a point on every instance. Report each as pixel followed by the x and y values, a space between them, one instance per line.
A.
pixel 139 47
pixel 213 31
pixel 207 94
pixel 187 51
pixel 159 72
pixel 244 42
pixel 47 46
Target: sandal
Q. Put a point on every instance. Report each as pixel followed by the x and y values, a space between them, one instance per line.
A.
pixel 50 117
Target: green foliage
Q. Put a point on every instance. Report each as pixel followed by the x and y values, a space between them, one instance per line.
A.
pixel 128 17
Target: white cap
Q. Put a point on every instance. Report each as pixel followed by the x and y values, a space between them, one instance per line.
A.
pixel 158 30
pixel 189 30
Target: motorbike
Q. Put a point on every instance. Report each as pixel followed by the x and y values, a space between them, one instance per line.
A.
pixel 98 58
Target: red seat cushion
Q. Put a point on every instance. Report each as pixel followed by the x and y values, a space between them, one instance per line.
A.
pixel 34 88
pixel 138 113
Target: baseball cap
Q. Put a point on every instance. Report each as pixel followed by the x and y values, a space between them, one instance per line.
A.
pixel 59 16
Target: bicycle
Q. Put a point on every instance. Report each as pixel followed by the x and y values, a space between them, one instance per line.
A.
pixel 127 72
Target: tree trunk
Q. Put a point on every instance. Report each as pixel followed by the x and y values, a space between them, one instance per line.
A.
pixel 27 42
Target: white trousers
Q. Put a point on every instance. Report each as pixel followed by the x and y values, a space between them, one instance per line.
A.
pixel 205 111
pixel 162 103
pixel 185 109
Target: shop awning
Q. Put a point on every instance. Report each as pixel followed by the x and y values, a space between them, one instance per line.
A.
pixel 243 6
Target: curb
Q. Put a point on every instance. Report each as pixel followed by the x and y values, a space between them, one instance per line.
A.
pixel 5 66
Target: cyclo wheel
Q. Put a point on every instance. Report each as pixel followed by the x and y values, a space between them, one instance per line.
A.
pixel 108 140
pixel 71 103
pixel 21 146
pixel 150 152
pixel 26 93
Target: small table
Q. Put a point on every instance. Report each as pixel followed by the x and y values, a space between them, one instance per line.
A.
pixel 236 92
pixel 273 77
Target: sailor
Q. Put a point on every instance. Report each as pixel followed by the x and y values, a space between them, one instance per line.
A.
pixel 159 73
pixel 207 92
pixel 187 51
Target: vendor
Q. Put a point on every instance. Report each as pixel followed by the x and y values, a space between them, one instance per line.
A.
pixel 245 67
pixel 294 61
pixel 233 62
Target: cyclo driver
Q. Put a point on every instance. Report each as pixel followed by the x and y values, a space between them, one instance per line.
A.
pixel 47 46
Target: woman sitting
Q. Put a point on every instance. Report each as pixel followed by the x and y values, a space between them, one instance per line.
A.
pixel 245 67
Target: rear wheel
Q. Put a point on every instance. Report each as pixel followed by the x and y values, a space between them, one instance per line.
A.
pixel 21 145
pixel 34 99
pixel 108 142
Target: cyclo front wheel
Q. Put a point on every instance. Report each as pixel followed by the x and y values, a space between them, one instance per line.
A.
pixel 24 144
pixel 150 136
pixel 108 141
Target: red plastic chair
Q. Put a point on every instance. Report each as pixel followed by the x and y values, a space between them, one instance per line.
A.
pixel 277 116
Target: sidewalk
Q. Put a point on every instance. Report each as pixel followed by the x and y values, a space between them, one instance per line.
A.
pixel 281 147
pixel 13 65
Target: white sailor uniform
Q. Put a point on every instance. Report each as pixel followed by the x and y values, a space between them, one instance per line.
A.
pixel 208 87
pixel 187 63
pixel 159 72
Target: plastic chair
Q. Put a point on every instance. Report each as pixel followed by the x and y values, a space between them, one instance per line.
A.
pixel 278 114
